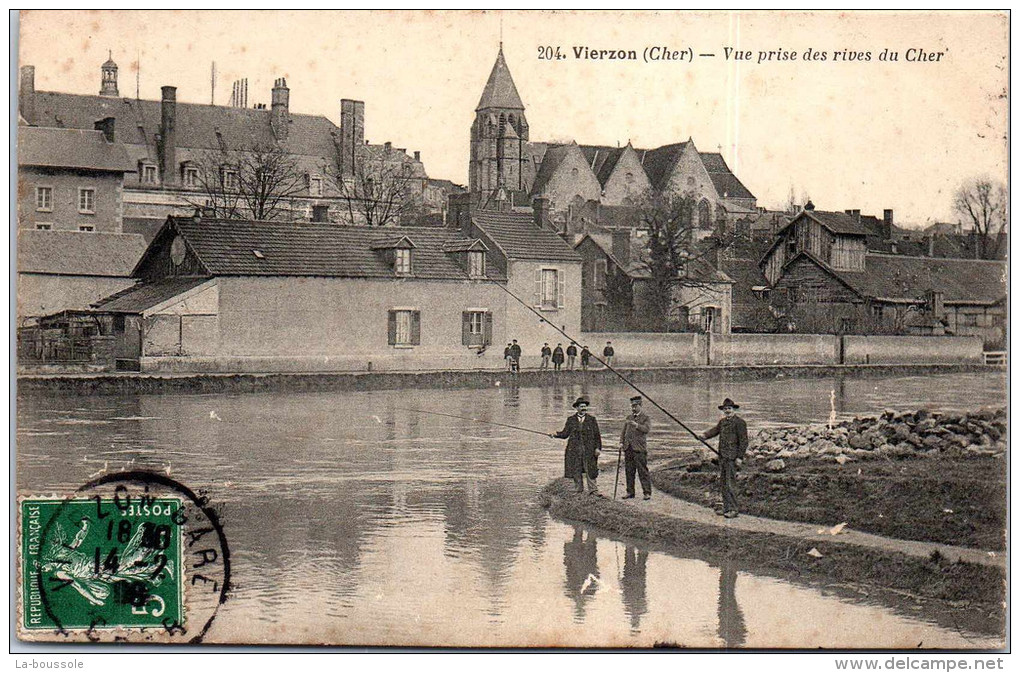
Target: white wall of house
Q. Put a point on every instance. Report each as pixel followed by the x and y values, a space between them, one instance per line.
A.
pixel 523 325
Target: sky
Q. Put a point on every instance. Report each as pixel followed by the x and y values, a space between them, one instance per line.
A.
pixel 868 134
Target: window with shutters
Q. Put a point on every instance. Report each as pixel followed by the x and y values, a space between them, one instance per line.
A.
pixel 476 328
pixel 550 288
pixel 404 327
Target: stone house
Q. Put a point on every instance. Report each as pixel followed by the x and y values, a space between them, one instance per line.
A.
pixel 183 155
pixel 543 272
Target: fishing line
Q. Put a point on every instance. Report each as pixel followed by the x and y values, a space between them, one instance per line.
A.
pixel 610 368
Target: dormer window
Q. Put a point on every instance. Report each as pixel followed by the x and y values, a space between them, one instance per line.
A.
pixel 229 178
pixel 402 261
pixel 149 174
pixel 190 176
pixel 476 263
pixel 314 185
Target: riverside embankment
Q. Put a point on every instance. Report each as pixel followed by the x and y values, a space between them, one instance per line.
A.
pixel 129 383
pixel 912 502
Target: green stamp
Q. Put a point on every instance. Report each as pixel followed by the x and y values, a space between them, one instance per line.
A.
pixel 101 563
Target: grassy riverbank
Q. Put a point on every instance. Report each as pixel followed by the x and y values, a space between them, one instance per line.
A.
pixel 956 500
pixel 958 595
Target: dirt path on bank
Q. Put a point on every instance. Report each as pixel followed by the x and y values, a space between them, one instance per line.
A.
pixel 663 503
pixel 667 505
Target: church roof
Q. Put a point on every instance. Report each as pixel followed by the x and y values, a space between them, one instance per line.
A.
pixel 602 159
pixel 658 163
pixel 551 160
pixel 500 91
pixel 725 182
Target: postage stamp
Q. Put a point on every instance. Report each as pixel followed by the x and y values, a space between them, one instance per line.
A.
pixel 134 556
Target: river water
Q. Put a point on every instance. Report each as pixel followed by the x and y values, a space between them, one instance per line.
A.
pixel 354 519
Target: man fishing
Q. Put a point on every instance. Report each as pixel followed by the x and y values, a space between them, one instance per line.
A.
pixel 584 444
pixel 732 432
pixel 634 444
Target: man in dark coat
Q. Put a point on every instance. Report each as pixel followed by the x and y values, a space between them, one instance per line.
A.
pixel 732 432
pixel 608 353
pixel 634 444
pixel 571 355
pixel 515 356
pixel 584 444
pixel 546 354
pixel 557 357
pixel 585 356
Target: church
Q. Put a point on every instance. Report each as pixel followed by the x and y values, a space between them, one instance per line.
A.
pixel 588 186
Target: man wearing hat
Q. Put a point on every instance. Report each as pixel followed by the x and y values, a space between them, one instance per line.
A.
pixel 732 432
pixel 584 444
pixel 634 444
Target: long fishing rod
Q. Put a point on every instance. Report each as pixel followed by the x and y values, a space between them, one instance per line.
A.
pixel 479 420
pixel 610 368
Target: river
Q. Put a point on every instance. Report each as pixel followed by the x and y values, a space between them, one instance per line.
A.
pixel 354 519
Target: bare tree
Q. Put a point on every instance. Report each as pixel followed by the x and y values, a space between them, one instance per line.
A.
pixel 984 205
pixel 258 183
pixel 674 257
pixel 376 192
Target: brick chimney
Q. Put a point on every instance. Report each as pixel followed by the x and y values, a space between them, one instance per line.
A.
pixel 106 126
pixel 417 155
pixel 281 109
pixel 352 134
pixel 168 136
pixel 26 93
pixel 621 247
pixel 540 206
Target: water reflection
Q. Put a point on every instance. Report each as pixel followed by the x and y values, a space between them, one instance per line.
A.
pixel 635 602
pixel 355 520
pixel 732 631
pixel 581 563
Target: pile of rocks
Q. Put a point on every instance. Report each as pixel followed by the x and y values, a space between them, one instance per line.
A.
pixel 891 435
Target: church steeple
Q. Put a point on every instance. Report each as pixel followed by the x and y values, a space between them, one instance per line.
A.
pixel 109 81
pixel 500 91
pixel 499 137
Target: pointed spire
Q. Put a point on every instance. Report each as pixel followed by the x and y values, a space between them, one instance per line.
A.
pixel 500 91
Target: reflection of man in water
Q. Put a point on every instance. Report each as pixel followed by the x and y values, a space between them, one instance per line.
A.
pixel 731 619
pixel 634 601
pixel 582 570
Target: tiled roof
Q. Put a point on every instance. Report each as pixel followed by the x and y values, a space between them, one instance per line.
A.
pixel 602 159
pixel 142 297
pixel 901 277
pixel 517 236
pixel 837 223
pixel 500 90
pixel 605 244
pixel 227 248
pixel 70 148
pixel 726 183
pixel 78 253
pixel 554 156
pixel 197 125
pixel 658 163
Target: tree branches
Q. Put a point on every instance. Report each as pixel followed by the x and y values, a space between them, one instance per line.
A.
pixel 983 204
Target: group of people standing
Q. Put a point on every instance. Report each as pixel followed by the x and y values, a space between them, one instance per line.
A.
pixel 584 445
pixel 557 356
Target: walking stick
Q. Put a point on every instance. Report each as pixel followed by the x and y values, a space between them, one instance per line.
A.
pixel 616 483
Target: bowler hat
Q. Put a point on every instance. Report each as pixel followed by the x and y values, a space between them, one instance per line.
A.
pixel 583 399
pixel 729 403
pixel 636 398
